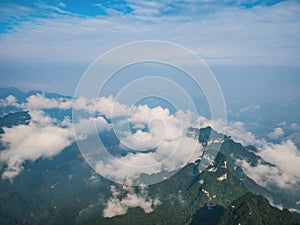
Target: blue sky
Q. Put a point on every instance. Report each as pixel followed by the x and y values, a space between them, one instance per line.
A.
pixel 45 44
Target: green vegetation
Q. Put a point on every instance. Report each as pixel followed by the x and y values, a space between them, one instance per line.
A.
pixel 65 190
pixel 253 209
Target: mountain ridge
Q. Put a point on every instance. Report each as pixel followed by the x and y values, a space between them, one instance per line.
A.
pixel 68 193
pixel 255 209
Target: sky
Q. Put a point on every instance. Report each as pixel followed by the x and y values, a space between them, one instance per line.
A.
pixel 48 44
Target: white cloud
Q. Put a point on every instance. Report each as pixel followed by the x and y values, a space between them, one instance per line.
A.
pixel 9 101
pixel 28 143
pixel 117 205
pixel 276 133
pixel 238 133
pixel 250 108
pixel 282 123
pixel 236 130
pixel 284 172
pixel 47 137
pixel 110 108
pixel 114 208
pixel 37 101
pixel 169 156
pixel 41 102
pixel 44 137
pixel 295 126
pixel 56 9
pixel 216 125
pixel 39 118
pixel 141 141
pixel 167 134
pixel 62 4
pixel 106 106
pixel 285 156
pixel 167 137
pixel 84 127
pixel 268 176
pixel 31 142
pixel 162 127
pixel 85 104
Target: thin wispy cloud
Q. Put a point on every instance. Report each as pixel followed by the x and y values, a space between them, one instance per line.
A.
pixel 231 33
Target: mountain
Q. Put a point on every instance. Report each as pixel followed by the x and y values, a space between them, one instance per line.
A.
pixel 185 193
pixel 234 151
pixel 14 119
pixel 21 96
pixel 254 209
pixel 65 190
pixel 202 197
pixel 4 92
pixel 53 191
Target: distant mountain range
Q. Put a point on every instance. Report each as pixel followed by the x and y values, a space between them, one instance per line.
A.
pixel 65 190
pixel 20 95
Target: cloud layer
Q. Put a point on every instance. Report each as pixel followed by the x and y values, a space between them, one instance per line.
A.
pixel 158 137
pixel 118 205
pixel 284 173
pixel 39 139
pixel 157 140
pixel 164 146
